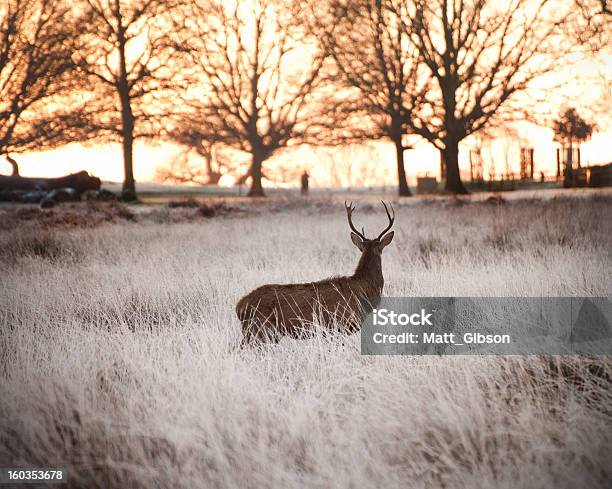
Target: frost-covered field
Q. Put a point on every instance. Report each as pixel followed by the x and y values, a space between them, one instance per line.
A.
pixel 117 356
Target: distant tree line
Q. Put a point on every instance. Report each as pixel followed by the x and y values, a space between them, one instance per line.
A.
pixel 259 76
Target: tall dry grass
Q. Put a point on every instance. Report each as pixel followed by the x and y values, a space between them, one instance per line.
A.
pixel 117 358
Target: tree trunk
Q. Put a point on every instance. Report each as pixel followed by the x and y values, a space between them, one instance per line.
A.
pixel 256 189
pixel 442 166
pixel 404 190
pixel 568 175
pixel 471 166
pixel 451 161
pixel 127 129
pixel 127 119
pixel 13 163
pixel 213 176
pixel 129 185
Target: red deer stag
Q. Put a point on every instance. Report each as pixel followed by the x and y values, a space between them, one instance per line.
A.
pixel 272 311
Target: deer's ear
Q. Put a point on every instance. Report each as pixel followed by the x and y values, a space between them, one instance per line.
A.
pixel 357 241
pixel 386 239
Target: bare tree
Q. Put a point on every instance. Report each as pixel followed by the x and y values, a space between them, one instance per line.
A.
pixel 256 76
pixel 374 58
pixel 128 60
pixel 216 164
pixel 571 130
pixel 481 55
pixel 37 40
pixel 352 165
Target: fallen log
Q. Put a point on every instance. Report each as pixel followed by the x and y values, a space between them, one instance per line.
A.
pixel 80 182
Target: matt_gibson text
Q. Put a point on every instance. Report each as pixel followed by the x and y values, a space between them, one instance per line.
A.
pixel 385 317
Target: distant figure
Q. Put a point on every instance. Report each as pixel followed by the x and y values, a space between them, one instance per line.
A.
pixel 542 176
pixel 305 178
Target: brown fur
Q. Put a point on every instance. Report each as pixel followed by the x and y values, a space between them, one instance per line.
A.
pixel 272 311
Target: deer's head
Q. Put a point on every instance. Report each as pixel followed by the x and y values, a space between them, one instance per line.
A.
pixel 365 245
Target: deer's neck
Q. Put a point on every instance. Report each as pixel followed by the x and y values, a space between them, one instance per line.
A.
pixel 369 269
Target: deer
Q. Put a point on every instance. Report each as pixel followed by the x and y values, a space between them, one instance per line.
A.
pixel 273 311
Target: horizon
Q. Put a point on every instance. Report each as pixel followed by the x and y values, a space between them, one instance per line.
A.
pixel 105 161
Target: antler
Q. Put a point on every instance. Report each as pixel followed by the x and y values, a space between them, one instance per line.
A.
pixel 349 212
pixel 391 219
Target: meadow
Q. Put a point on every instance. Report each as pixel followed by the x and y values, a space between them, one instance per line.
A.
pixel 118 356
